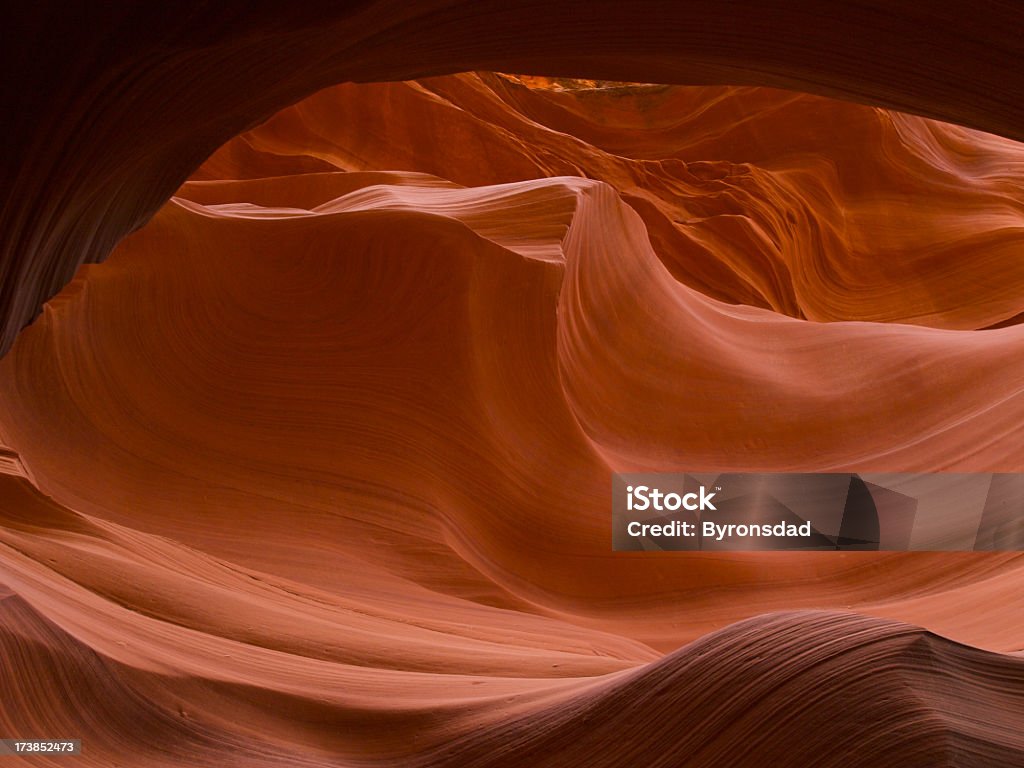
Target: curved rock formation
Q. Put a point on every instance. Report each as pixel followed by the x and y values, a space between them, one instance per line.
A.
pixel 314 470
pixel 108 109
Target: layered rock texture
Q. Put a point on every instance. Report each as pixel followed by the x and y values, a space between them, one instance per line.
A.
pixel 314 469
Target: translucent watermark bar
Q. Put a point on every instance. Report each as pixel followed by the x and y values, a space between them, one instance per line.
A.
pixel 702 511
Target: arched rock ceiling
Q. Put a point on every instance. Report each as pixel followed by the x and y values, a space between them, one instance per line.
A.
pixel 109 107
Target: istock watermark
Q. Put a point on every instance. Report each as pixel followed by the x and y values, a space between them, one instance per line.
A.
pixel 642 497
pixel 680 512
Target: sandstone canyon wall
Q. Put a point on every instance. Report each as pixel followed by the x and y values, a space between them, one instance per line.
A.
pixel 314 469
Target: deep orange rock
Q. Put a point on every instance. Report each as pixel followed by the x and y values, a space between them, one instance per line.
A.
pixel 108 109
pixel 315 468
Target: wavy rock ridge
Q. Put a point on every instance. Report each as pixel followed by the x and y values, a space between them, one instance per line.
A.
pixel 314 469
pixel 109 108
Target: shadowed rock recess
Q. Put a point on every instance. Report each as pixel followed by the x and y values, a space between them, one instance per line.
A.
pixel 315 468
